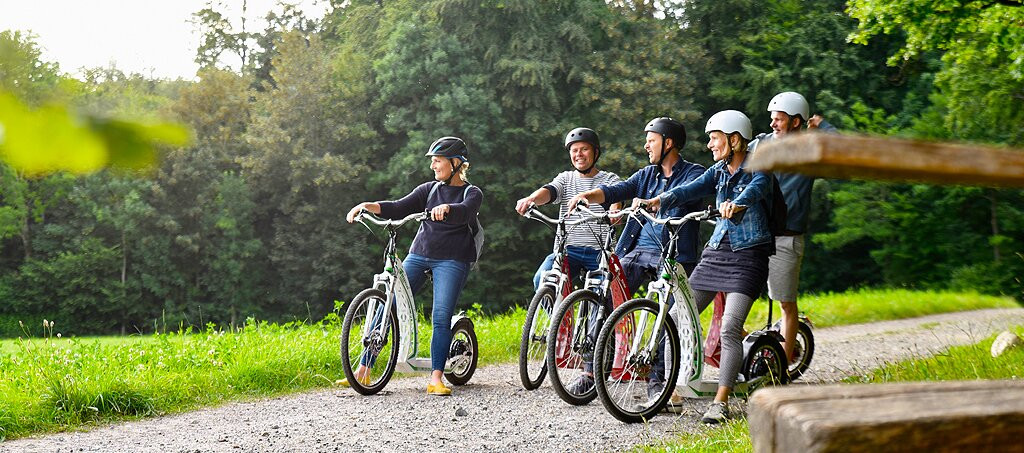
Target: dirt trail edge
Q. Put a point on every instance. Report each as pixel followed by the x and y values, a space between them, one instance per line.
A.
pixel 499 414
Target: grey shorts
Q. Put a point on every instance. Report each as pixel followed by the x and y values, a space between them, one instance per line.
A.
pixel 784 268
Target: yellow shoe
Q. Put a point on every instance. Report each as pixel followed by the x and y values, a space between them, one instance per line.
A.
pixel 439 390
pixel 344 382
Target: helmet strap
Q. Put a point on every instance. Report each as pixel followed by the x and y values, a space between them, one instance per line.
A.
pixel 662 158
pixel 732 149
pixel 449 180
pixel 587 170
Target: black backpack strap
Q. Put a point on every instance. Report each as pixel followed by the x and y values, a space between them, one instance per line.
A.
pixel 433 189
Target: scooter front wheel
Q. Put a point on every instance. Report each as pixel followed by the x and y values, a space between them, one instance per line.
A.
pixel 635 371
pixel 575 325
pixel 365 347
pixel 533 344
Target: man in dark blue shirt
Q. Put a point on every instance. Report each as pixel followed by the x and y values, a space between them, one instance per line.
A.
pixel 640 244
pixel 790 113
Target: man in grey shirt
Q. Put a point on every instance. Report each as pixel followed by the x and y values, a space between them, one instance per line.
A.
pixel 583 245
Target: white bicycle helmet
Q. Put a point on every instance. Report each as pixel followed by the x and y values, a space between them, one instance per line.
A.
pixel 729 121
pixel 790 103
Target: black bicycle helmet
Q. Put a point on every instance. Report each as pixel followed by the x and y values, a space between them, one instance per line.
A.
pixel 450 147
pixel 584 134
pixel 668 128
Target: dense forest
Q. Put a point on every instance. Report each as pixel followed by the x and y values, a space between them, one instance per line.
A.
pixel 247 220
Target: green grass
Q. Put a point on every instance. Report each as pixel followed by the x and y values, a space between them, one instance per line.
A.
pixel 733 436
pixel 54 384
pixel 966 362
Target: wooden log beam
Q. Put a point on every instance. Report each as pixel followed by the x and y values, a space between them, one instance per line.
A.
pixel 927 416
pixel 861 157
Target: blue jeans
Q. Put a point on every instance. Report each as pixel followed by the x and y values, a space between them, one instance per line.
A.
pixel 584 257
pixel 449 279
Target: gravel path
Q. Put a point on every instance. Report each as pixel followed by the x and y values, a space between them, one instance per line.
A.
pixel 500 415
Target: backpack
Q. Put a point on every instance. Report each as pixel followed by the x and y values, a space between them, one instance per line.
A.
pixel 775 207
pixel 475 228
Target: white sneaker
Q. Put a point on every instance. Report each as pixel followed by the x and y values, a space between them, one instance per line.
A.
pixel 718 412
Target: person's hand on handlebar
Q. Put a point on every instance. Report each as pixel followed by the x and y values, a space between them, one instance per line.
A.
pixel 581 198
pixel 814 122
pixel 364 206
pixel 439 212
pixel 651 204
pixel 524 204
pixel 728 209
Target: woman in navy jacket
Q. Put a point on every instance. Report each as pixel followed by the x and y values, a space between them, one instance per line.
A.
pixel 444 244
pixel 735 260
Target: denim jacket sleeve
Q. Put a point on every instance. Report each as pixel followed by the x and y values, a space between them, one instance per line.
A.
pixel 703 186
pixel 623 190
pixel 756 190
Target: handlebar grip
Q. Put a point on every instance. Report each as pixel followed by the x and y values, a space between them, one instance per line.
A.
pixel 712 213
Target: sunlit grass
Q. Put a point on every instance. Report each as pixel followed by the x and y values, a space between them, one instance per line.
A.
pixel 966 362
pixel 732 436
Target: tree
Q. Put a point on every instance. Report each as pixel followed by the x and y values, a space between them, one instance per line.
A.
pixel 309 150
pixel 982 45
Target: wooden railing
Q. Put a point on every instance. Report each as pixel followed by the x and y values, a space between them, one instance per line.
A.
pixel 861 157
pixel 934 416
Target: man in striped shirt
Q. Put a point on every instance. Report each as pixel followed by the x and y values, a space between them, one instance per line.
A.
pixel 583 245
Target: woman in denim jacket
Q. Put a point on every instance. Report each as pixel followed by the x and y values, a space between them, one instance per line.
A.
pixel 735 260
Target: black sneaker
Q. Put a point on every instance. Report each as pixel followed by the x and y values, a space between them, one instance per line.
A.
pixel 717 412
pixel 581 385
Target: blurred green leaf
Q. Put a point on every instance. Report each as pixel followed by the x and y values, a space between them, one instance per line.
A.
pixel 51 139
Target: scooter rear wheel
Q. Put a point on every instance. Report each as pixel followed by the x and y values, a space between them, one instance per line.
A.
pixel 464 352
pixel 803 351
pixel 765 363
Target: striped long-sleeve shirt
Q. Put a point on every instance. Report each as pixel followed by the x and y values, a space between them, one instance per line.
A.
pixel 568 184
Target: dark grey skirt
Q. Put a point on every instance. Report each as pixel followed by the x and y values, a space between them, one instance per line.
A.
pixel 742 271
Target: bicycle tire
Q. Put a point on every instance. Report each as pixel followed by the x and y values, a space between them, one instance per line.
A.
pixel 353 339
pixel 533 342
pixel 566 358
pixel 463 343
pixel 616 376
